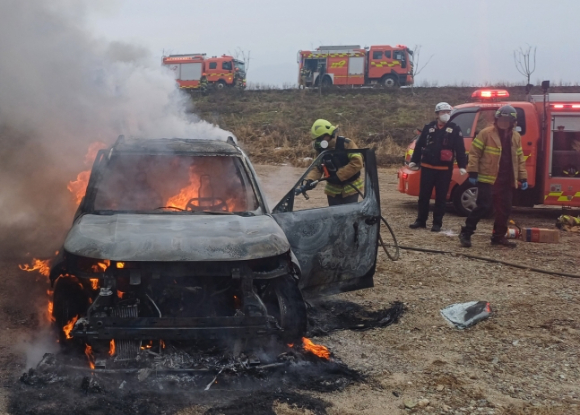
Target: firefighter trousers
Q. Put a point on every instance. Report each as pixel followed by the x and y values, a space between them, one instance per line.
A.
pixel 438 179
pixel 339 200
pixel 499 196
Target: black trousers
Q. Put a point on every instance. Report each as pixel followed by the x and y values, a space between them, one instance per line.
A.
pixel 498 195
pixel 339 200
pixel 438 179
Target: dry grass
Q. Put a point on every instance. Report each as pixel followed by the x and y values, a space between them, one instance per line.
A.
pixel 273 125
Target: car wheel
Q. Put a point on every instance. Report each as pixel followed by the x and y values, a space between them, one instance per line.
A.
pixel 284 301
pixel 465 198
pixel 69 301
pixel 220 84
pixel 390 81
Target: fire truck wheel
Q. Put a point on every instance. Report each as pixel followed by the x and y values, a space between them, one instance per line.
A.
pixel 389 81
pixel 69 301
pixel 220 84
pixel 284 301
pixel 326 81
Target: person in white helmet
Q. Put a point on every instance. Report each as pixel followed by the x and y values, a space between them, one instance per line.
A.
pixel 440 143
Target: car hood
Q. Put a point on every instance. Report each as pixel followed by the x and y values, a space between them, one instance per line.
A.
pixel 141 237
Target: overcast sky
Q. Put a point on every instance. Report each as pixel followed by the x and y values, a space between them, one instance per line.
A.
pixel 472 40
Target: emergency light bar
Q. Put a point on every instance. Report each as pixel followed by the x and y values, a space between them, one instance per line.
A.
pixel 566 106
pixel 490 93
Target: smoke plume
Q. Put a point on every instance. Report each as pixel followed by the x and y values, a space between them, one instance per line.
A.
pixel 63 89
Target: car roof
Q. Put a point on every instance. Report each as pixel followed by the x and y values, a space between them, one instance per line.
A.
pixel 177 145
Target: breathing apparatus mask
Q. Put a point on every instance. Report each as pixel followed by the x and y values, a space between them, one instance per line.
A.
pixel 320 144
pixel 444 118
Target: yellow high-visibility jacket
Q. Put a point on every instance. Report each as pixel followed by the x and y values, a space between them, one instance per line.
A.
pixel 485 153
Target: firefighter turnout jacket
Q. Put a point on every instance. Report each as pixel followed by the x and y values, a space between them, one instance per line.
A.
pixel 485 155
pixel 348 165
pixel 436 148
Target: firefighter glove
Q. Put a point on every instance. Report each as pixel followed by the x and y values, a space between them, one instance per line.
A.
pixel 524 184
pixel 309 184
pixel 413 166
pixel 473 178
pixel 462 172
pixel 333 178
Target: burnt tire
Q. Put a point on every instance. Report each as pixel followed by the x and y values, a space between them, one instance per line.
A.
pixel 284 301
pixel 69 301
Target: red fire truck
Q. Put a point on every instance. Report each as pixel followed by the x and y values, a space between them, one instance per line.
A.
pixel 352 65
pixel 550 128
pixel 220 71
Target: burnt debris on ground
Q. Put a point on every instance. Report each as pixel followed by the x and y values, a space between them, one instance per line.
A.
pixel 217 379
pixel 324 317
pixel 156 383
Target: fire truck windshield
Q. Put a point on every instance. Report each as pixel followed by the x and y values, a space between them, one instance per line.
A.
pixel 241 66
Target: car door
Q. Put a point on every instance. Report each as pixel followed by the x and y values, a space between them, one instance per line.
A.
pixel 336 246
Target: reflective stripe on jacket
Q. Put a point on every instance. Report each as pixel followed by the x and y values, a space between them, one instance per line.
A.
pixel 485 154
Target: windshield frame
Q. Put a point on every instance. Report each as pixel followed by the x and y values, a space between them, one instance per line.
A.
pixel 100 167
pixel 237 64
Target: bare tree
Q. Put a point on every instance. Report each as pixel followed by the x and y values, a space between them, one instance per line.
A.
pixel 525 62
pixel 416 61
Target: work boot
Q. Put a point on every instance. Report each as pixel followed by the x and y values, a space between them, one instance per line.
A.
pixel 417 224
pixel 503 241
pixel 465 238
pixel 436 227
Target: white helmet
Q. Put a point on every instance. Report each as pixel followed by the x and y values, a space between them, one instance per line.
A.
pixel 443 106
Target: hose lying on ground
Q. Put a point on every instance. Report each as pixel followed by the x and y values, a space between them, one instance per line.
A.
pixel 495 261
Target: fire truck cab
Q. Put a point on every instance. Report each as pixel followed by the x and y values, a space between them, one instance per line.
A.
pixel 550 128
pixel 355 66
pixel 219 71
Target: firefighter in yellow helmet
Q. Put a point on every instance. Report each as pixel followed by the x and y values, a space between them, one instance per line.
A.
pixel 345 180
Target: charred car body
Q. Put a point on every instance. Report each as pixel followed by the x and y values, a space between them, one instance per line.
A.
pixel 174 240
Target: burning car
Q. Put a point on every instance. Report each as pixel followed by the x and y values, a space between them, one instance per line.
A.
pixel 174 240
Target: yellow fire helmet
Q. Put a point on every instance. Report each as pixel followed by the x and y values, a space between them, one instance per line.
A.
pixel 322 127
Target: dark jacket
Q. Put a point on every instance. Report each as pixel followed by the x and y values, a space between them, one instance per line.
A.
pixel 432 140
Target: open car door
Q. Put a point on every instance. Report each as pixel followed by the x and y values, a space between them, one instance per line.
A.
pixel 336 246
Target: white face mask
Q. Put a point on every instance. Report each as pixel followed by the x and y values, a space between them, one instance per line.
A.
pixel 444 117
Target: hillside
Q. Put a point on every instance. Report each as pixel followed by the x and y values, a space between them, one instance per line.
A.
pixel 273 125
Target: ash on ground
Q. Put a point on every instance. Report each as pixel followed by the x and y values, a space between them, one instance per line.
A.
pixel 215 379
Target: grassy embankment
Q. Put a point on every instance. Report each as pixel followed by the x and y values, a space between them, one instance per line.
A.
pixel 273 125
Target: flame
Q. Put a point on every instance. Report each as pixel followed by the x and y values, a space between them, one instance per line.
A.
pixel 120 294
pixel 316 349
pixel 89 354
pixel 120 265
pixel 78 187
pixel 162 344
pixel 42 266
pixel 291 345
pixel 112 347
pixel 95 283
pixel 49 311
pixel 101 266
pixel 69 326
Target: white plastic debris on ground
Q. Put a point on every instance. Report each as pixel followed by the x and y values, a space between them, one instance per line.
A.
pixel 464 315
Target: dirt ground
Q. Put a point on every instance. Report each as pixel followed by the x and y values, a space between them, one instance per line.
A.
pixel 523 360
